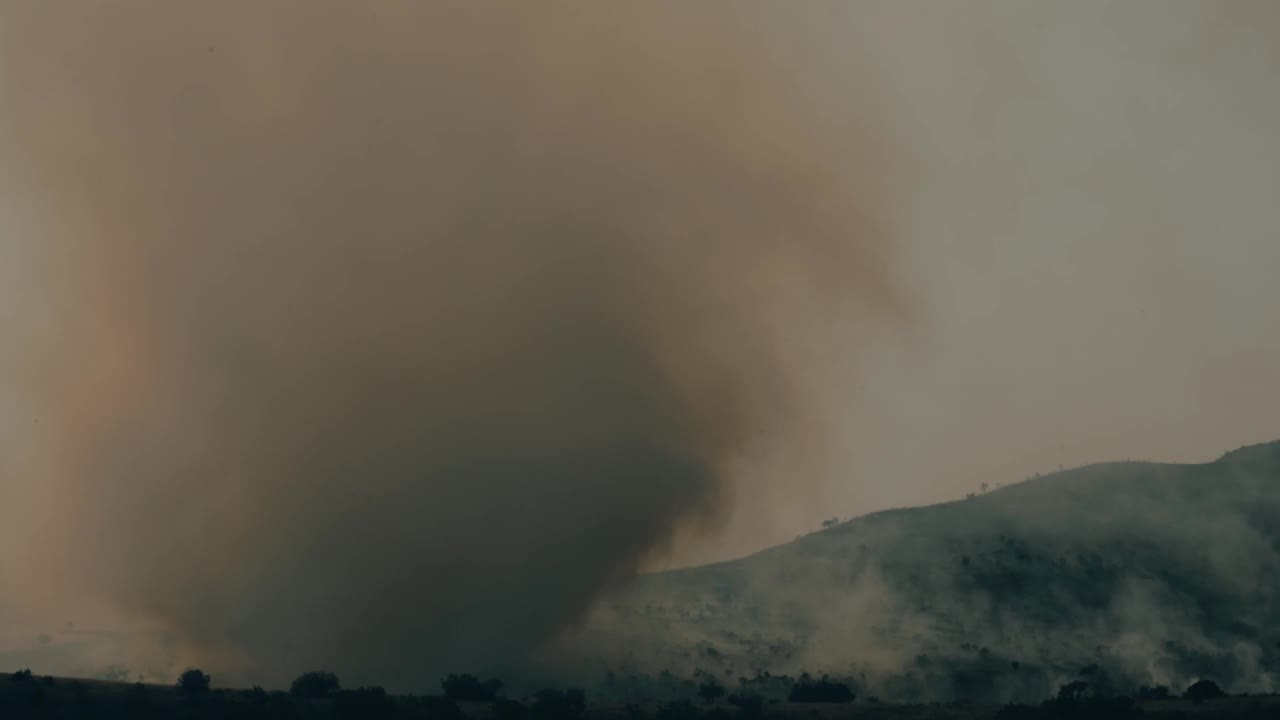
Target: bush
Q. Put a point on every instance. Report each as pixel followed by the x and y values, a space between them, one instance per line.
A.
pixel 194 682
pixel 315 684
pixel 21 676
pixel 808 690
pixel 469 688
pixel 1202 690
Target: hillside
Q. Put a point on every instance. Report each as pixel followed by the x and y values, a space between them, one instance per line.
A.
pixel 1120 574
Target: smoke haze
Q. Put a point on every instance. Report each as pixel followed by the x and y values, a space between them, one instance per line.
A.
pixel 382 338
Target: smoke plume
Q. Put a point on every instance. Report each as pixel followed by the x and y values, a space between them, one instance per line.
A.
pixel 382 337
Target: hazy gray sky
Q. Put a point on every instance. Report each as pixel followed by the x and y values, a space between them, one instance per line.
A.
pixel 1096 234
pixel 1088 230
pixel 1092 228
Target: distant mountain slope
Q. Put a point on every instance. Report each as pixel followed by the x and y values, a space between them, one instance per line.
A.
pixel 1120 574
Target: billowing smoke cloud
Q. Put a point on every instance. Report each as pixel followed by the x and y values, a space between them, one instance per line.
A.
pixel 382 337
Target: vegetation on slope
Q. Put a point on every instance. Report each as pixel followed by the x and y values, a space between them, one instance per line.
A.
pixel 1120 575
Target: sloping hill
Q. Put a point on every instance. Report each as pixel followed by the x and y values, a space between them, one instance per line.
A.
pixel 1120 574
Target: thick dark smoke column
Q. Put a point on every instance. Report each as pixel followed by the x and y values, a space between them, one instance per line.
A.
pixel 387 335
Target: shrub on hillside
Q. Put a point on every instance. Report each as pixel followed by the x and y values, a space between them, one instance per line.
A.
pixel 1202 690
pixel 770 688
pixel 315 684
pixel 825 690
pixel 194 682
pixel 469 688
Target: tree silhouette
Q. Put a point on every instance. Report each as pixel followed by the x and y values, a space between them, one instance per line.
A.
pixel 194 682
pixel 315 684
pixel 1202 690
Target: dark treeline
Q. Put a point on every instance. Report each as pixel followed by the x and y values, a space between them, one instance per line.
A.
pixel 312 694
pixel 764 697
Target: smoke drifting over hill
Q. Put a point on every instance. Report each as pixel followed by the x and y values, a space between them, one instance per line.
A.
pixel 383 337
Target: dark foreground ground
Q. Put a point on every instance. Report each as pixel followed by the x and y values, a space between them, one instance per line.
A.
pixel 47 697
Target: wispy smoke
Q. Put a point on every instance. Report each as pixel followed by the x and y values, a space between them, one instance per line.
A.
pixel 382 337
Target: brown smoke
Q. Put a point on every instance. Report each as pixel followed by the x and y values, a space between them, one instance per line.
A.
pixel 387 335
